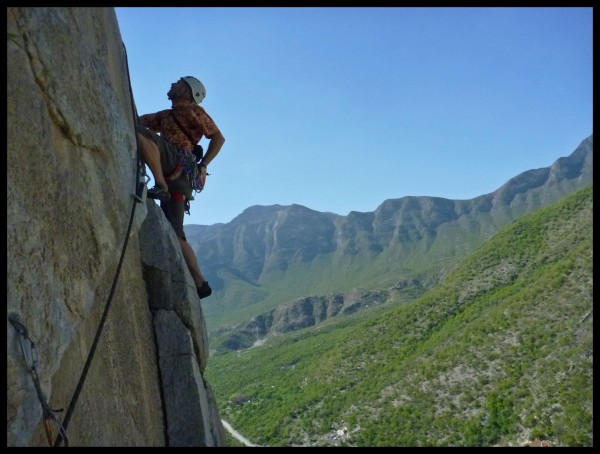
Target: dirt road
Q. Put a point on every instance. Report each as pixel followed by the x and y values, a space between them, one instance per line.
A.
pixel 236 434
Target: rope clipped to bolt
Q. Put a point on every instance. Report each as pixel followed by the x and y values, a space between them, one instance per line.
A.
pixel 31 361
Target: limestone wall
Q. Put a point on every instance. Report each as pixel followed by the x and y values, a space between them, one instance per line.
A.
pixel 71 168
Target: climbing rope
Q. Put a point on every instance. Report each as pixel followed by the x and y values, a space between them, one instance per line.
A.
pixel 30 354
pixel 137 199
pixel 31 361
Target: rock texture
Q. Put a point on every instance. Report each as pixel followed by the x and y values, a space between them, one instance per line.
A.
pixel 71 169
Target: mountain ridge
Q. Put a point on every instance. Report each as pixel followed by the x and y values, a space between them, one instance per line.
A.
pixel 270 255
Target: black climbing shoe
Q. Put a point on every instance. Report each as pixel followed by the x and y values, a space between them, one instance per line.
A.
pixel 159 193
pixel 204 290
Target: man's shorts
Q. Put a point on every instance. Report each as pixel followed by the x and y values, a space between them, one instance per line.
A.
pixel 174 209
pixel 169 157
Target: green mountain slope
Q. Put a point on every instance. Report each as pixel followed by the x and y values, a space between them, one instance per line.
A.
pixel 500 352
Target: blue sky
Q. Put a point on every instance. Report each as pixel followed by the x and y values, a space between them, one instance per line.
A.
pixel 339 109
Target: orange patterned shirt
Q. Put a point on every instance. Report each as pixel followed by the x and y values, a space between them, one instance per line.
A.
pixel 191 116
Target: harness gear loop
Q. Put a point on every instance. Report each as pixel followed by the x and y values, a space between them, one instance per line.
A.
pixel 31 361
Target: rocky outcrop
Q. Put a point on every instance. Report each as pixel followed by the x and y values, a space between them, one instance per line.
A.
pixel 295 315
pixel 190 409
pixel 78 241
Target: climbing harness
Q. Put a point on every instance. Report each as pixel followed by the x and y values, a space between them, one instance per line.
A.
pixel 191 162
pixel 31 361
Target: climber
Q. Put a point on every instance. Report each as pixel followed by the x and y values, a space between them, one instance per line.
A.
pixel 176 161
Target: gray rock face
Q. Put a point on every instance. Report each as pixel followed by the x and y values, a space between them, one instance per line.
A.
pixel 71 169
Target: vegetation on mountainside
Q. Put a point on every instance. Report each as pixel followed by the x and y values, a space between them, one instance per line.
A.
pixel 499 353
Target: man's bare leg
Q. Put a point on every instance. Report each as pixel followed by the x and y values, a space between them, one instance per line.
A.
pixel 151 157
pixel 192 263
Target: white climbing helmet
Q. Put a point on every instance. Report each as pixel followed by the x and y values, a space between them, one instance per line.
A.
pixel 198 90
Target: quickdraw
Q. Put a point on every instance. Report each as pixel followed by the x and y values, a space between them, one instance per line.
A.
pixel 31 361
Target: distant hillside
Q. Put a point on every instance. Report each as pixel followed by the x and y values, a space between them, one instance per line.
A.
pixel 298 314
pixel 272 255
pixel 499 353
